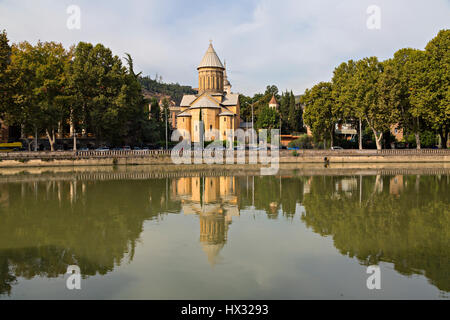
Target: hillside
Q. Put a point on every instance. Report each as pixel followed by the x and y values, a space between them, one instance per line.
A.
pixel 153 88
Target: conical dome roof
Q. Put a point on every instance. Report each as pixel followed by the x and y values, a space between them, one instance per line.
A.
pixel 211 59
pixel 273 100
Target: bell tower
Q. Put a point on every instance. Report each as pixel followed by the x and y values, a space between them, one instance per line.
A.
pixel 210 73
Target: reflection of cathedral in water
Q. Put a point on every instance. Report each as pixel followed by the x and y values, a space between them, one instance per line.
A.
pixel 215 201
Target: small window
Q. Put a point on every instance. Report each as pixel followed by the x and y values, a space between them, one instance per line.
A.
pixel 225 119
pixel 210 127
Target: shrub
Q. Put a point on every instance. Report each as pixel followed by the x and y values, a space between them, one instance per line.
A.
pixel 428 139
pixel 304 142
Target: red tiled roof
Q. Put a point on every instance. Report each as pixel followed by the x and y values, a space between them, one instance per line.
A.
pixel 273 100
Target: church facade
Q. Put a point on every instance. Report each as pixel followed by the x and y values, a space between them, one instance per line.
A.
pixel 214 104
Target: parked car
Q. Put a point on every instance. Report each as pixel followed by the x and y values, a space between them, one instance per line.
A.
pixel 102 149
pixel 337 148
pixel 84 149
pixel 126 148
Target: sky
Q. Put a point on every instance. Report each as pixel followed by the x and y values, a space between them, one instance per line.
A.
pixel 291 44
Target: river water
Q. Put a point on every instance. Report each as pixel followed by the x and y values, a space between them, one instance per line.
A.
pixel 302 234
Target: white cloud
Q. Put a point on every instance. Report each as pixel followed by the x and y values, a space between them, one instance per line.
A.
pixel 292 44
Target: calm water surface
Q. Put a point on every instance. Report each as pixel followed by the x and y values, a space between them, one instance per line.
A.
pixel 292 236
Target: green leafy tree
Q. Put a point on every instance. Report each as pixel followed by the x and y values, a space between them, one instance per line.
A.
pixel 295 115
pixel 132 107
pixel 432 93
pixel 373 105
pixel 29 91
pixel 268 119
pixel 246 107
pixel 400 77
pixel 319 114
pixel 155 110
pixel 271 90
pixel 51 61
pixel 98 80
pixel 284 112
pixel 5 78
pixel 345 91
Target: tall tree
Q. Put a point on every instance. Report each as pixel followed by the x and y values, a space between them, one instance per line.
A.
pixel 6 92
pixel 284 112
pixel 246 107
pixel 268 119
pixel 155 110
pixel 344 93
pixel 379 115
pixel 294 115
pixel 403 75
pixel 434 95
pixel 26 86
pixel 319 113
pixel 52 59
pixel 132 107
pixel 97 78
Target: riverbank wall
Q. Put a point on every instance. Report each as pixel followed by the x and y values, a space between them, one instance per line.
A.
pixel 162 157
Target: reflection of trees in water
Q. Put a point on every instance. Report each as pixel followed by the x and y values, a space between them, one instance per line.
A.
pixel 47 226
pixel 271 194
pixel 406 225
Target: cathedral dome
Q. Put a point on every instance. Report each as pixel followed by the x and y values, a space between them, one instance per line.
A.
pixel 210 59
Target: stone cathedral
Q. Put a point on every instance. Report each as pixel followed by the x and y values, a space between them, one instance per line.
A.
pixel 214 103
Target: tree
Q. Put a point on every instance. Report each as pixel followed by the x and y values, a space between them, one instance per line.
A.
pixel 24 109
pixel 5 79
pixel 294 115
pixel 271 90
pixel 155 110
pixel 261 101
pixel 378 113
pixel 344 93
pixel 166 112
pixel 433 92
pixel 132 107
pixel 319 114
pixel 284 112
pixel 98 80
pixel 268 119
pixel 246 107
pixel 52 60
pixel 402 75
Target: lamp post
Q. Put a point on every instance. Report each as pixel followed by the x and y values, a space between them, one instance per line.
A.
pixel 165 114
pixel 253 126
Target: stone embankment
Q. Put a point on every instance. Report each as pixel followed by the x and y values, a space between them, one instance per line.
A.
pixel 163 157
